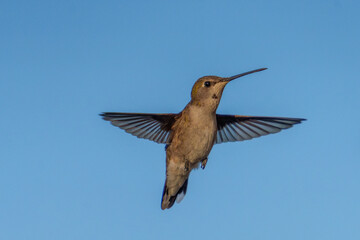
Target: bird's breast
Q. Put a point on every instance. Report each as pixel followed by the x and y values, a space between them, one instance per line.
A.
pixel 194 137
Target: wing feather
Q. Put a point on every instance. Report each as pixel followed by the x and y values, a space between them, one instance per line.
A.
pixel 233 128
pixel 154 127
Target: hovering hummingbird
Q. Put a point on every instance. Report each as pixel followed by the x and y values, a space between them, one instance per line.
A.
pixel 190 135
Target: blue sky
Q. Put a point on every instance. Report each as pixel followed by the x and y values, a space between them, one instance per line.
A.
pixel 67 174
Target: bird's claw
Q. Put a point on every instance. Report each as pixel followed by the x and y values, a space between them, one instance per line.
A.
pixel 203 163
pixel 187 166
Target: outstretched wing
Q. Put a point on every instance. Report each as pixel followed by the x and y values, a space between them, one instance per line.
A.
pixel 155 127
pixel 233 128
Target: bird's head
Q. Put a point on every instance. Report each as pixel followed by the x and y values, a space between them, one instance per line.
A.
pixel 207 91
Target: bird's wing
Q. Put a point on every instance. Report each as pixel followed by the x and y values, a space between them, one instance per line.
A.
pixel 231 128
pixel 155 127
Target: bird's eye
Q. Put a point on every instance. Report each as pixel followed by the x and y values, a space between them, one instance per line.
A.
pixel 207 84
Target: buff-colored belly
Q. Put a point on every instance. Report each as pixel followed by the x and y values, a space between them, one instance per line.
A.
pixel 193 137
pixel 195 145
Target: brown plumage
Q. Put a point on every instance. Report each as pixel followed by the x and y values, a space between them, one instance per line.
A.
pixel 190 135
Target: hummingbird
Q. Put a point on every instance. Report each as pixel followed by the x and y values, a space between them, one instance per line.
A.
pixel 191 134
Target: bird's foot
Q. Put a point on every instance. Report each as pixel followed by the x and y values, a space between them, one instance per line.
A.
pixel 203 163
pixel 187 166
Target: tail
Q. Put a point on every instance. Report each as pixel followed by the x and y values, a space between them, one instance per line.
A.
pixel 167 201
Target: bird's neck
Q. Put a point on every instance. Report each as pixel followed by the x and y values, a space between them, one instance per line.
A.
pixel 206 106
pixel 198 108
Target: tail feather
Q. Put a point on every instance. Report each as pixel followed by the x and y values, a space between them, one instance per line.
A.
pixel 168 201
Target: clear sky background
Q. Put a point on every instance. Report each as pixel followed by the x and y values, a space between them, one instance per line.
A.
pixel 67 174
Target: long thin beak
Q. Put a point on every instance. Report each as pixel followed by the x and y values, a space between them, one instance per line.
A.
pixel 242 74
